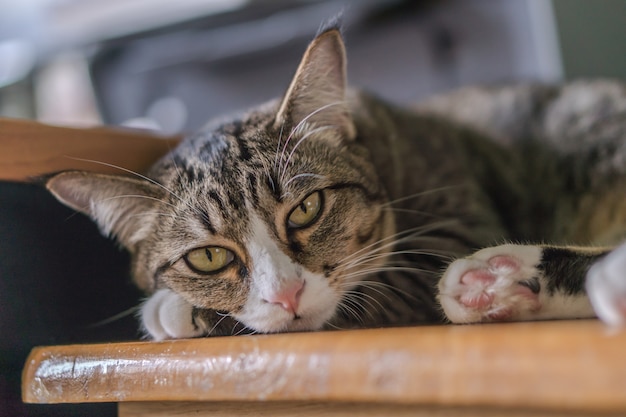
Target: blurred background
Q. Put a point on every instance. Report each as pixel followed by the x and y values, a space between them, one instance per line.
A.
pixel 172 65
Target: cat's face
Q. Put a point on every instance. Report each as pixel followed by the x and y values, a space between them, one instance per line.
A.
pixel 265 234
pixel 271 217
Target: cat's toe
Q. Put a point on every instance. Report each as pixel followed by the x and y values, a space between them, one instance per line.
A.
pixel 606 287
pixel 166 315
pixel 494 284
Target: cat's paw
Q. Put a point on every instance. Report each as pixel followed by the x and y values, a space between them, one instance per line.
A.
pixel 166 315
pixel 494 284
pixel 606 287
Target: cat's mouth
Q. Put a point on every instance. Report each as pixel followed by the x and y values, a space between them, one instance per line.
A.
pixel 278 321
pixel 301 323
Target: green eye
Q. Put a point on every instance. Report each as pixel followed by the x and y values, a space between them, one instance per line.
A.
pixel 306 212
pixel 209 259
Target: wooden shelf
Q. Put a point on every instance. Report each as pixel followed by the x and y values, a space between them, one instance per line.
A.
pixel 547 368
pixel 30 149
pixel 556 366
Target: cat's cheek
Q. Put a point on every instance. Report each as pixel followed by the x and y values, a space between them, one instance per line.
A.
pixel 318 305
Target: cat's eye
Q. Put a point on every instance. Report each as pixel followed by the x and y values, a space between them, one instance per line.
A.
pixel 209 259
pixel 306 212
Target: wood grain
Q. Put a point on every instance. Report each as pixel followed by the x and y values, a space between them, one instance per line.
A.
pixel 29 149
pixel 329 409
pixel 567 365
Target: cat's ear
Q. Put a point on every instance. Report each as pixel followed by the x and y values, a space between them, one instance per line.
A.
pixel 117 204
pixel 317 93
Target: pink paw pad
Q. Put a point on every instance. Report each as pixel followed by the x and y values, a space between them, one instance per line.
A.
pixel 480 279
pixel 478 276
pixel 479 300
pixel 501 314
pixel 504 262
pixel 500 283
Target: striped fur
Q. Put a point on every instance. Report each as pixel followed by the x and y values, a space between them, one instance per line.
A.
pixel 404 193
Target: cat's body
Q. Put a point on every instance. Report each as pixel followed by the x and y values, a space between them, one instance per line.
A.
pixel 333 209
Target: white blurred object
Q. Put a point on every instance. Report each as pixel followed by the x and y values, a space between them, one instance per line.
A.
pixel 17 60
pixel 170 113
pixel 86 21
pixel 606 286
pixel 64 93
pixel 167 116
pixel 142 123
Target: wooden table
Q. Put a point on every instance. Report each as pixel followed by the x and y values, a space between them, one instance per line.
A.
pixel 542 368
pixel 549 368
pixel 30 149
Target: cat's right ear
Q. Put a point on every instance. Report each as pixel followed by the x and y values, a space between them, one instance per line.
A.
pixel 117 204
pixel 317 93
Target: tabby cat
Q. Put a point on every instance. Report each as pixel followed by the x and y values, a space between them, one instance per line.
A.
pixel 332 209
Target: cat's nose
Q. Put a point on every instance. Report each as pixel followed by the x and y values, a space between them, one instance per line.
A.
pixel 289 297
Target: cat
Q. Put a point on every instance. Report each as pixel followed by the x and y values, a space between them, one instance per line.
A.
pixel 332 209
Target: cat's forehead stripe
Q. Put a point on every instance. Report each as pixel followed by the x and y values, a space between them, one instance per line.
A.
pixel 245 153
pixel 206 220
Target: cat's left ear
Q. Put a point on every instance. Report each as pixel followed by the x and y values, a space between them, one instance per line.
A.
pixel 119 205
pixel 317 93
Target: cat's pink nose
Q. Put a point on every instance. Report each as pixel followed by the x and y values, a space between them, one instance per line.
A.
pixel 289 297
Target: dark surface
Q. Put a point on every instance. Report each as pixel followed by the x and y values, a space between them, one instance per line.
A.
pixel 58 277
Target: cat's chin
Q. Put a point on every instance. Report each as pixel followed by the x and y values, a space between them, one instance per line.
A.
pixel 299 325
pixel 278 323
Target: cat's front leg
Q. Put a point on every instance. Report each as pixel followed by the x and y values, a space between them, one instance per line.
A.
pixel 517 282
pixel 167 315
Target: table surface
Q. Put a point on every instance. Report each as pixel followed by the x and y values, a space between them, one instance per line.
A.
pixel 30 149
pixel 568 365
pixel 559 365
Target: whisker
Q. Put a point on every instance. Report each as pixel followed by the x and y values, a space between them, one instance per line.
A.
pixel 224 316
pixel 388 269
pixel 395 238
pixel 305 174
pixel 135 173
pixel 243 329
pixel 390 289
pixel 375 256
pixel 280 137
pixel 237 323
pixel 268 173
pixel 153 213
pixel 334 326
pixel 150 180
pixel 371 285
pixel 302 139
pixel 146 197
pixel 299 125
pixel 368 299
pixel 115 317
pixel 421 194
pixel 349 310
pixel 412 211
